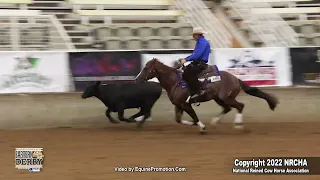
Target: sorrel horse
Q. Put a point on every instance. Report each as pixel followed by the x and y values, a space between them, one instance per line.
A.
pixel 223 92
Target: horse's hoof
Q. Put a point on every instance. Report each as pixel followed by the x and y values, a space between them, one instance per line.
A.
pixel 131 121
pixel 139 125
pixel 114 122
pixel 239 126
pixel 203 132
pixel 215 121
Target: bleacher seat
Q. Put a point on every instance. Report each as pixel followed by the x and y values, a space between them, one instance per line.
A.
pixel 189 42
pixel 153 42
pixel 174 42
pixel 113 43
pixel 133 43
pixel 165 31
pixel 316 39
pixel 307 28
pixel 145 30
pixel 184 30
pixel 124 31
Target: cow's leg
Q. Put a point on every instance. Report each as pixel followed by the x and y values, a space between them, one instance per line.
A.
pixel 120 108
pixel 140 113
pixel 142 119
pixel 146 110
pixel 108 111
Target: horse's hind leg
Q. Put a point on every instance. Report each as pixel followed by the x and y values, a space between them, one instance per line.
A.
pixel 238 121
pixel 215 120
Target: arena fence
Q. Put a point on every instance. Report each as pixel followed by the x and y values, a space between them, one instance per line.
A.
pixel 69 71
pixel 32 32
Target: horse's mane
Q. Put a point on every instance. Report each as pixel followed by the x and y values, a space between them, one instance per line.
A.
pixel 165 67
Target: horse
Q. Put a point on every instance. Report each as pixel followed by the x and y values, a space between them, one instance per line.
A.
pixel 223 92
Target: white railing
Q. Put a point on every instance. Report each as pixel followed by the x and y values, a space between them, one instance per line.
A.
pixel 62 32
pixel 32 32
pixel 271 29
pixel 198 14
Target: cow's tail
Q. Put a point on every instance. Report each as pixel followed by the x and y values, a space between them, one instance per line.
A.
pixel 253 91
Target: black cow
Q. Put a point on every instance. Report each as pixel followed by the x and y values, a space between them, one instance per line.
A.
pixel 118 97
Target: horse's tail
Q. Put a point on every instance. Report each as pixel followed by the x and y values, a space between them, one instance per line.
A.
pixel 253 91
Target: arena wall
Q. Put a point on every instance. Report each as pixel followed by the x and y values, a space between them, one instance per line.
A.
pixel 69 110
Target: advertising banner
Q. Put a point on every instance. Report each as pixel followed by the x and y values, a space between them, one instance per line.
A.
pixel 305 66
pixel 27 72
pixel 259 67
pixel 109 67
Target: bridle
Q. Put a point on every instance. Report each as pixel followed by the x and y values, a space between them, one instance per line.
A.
pixel 150 69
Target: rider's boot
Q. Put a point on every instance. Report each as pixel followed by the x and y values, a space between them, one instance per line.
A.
pixel 197 93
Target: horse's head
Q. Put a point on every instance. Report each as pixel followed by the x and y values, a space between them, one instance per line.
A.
pixel 149 71
pixel 91 90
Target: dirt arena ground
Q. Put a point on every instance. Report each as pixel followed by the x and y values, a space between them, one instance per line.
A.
pixel 93 153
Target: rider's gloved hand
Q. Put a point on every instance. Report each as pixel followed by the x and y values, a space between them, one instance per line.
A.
pixel 182 60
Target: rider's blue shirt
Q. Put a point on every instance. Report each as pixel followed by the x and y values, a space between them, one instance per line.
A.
pixel 201 51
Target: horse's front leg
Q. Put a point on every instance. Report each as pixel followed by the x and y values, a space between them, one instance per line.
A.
pixel 178 113
pixel 187 108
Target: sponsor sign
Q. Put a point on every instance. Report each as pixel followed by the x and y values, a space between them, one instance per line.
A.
pixel 256 66
pixel 305 66
pixel 25 72
pixel 104 66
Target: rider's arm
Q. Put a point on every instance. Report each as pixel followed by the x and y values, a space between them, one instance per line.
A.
pixel 198 51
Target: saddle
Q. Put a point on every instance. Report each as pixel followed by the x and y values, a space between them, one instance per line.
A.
pixel 211 73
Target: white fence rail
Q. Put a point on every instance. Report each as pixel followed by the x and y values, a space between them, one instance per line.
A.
pixel 32 32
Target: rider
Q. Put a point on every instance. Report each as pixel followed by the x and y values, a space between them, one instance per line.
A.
pixel 199 59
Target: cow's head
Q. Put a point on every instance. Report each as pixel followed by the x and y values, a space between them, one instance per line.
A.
pixel 91 90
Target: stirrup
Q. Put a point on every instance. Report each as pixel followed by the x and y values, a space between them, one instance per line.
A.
pixel 188 99
pixel 194 96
